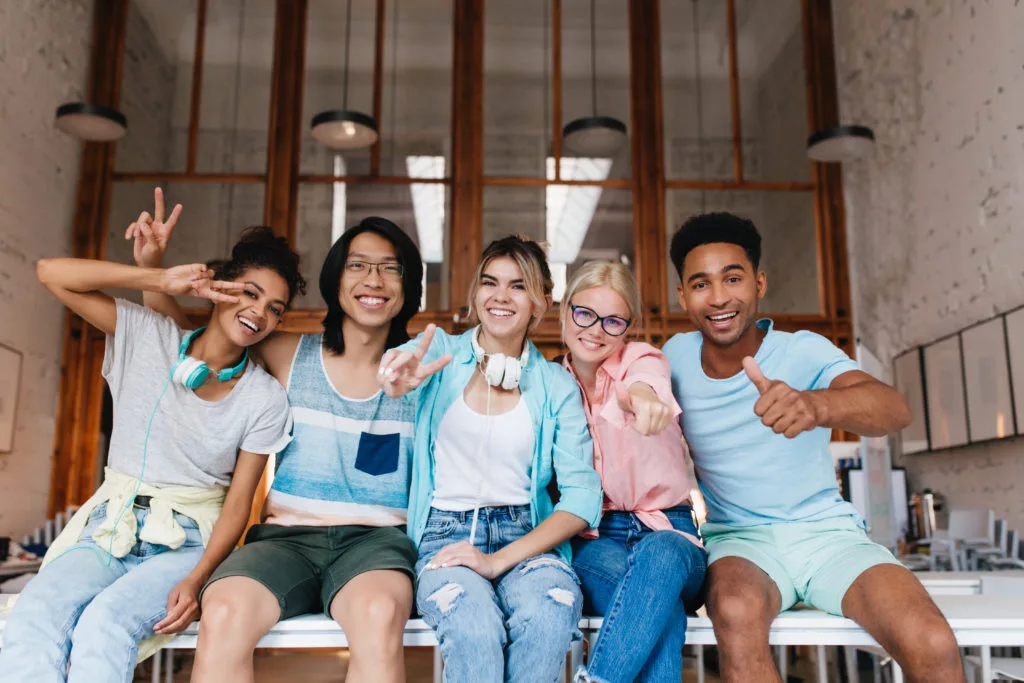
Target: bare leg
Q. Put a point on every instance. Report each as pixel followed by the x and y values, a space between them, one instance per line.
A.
pixel 743 601
pixel 237 612
pixel 893 606
pixel 373 609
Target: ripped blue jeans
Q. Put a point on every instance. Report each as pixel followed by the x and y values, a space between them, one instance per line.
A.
pixel 515 628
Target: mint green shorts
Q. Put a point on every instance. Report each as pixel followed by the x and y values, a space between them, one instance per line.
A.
pixel 810 562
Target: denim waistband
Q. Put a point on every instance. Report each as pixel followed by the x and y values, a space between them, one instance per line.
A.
pixel 466 516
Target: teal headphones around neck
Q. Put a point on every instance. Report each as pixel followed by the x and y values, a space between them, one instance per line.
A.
pixel 192 372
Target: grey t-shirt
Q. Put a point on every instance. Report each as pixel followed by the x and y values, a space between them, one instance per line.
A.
pixel 191 442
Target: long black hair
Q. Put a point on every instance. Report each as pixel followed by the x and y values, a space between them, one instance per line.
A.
pixel 334 266
pixel 259 247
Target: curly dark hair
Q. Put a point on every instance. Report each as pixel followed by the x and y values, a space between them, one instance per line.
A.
pixel 259 247
pixel 712 228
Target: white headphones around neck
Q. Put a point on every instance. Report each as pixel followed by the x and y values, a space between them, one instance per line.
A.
pixel 500 370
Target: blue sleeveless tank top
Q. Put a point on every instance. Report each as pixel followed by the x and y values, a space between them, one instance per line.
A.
pixel 349 461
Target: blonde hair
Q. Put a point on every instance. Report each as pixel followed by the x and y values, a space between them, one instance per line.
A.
pixel 616 277
pixel 533 264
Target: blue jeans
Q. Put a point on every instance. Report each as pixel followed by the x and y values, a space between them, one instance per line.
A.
pixel 534 608
pixel 643 582
pixel 82 608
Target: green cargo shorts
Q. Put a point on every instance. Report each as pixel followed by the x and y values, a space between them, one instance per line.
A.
pixel 305 566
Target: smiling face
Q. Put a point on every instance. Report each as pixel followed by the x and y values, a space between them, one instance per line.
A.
pixel 502 302
pixel 371 296
pixel 259 309
pixel 720 290
pixel 592 345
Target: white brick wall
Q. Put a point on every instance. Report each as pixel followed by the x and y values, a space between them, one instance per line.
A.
pixel 44 52
pixel 935 220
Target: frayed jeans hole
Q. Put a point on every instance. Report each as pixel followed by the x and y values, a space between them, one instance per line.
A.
pixel 444 597
pixel 562 596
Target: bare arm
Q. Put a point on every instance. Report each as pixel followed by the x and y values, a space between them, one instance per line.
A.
pixel 183 603
pixel 76 282
pixel 854 401
pixel 857 402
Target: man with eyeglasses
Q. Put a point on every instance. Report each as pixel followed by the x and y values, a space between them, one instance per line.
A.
pixel 758 409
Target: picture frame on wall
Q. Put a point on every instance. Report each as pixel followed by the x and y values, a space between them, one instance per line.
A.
pixel 1015 351
pixel 910 383
pixel 10 379
pixel 944 393
pixel 990 413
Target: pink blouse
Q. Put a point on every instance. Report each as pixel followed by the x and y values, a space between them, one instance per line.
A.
pixel 640 474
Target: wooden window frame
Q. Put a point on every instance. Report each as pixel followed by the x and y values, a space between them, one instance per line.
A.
pixel 80 403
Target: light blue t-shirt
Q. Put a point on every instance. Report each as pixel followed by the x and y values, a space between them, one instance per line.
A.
pixel 748 474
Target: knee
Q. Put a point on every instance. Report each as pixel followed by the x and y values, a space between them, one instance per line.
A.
pixel 381 614
pixel 226 617
pixel 99 616
pixel 671 548
pixel 460 615
pixel 736 610
pixel 937 646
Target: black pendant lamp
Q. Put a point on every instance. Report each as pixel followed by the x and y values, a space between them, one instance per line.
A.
pixel 91 122
pixel 594 136
pixel 841 144
pixel 344 128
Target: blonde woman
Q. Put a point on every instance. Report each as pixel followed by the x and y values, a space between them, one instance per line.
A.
pixel 493 427
pixel 644 567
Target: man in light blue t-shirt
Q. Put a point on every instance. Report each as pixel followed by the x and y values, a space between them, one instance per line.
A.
pixel 758 409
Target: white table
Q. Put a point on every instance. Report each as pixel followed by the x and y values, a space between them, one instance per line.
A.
pixel 958 583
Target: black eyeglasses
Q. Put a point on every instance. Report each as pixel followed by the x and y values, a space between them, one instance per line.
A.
pixel 587 317
pixel 386 269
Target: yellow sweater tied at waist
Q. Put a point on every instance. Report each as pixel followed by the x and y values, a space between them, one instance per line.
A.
pixel 202 504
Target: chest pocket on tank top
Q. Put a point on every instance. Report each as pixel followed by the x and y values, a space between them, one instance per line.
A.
pixel 378 453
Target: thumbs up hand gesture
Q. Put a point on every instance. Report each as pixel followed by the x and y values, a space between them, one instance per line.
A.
pixel 781 407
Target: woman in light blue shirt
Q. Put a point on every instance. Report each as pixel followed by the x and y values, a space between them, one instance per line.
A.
pixel 495 422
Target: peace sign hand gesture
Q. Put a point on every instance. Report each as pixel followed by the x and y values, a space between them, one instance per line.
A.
pixel 151 233
pixel 196 279
pixel 402 371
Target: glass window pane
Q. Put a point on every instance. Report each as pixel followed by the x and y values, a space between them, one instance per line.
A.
pixel 789 251
pixel 417 83
pixel 773 89
pixel 156 86
pixel 325 77
pixel 695 91
pixel 234 104
pixel 595 75
pixel 325 210
pixel 213 215
pixel 579 223
pixel 517 87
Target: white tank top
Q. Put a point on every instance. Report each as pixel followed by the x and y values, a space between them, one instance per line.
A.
pixel 503 462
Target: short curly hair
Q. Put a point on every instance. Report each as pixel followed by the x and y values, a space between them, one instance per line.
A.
pixel 259 247
pixel 712 228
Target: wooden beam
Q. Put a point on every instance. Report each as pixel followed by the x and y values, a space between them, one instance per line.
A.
pixel 197 87
pixel 284 145
pixel 466 236
pixel 823 111
pixel 734 90
pixel 78 380
pixel 378 86
pixel 170 177
pixel 646 151
pixel 749 185
pixel 556 86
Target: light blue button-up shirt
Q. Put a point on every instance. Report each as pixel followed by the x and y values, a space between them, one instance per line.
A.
pixel 562 445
